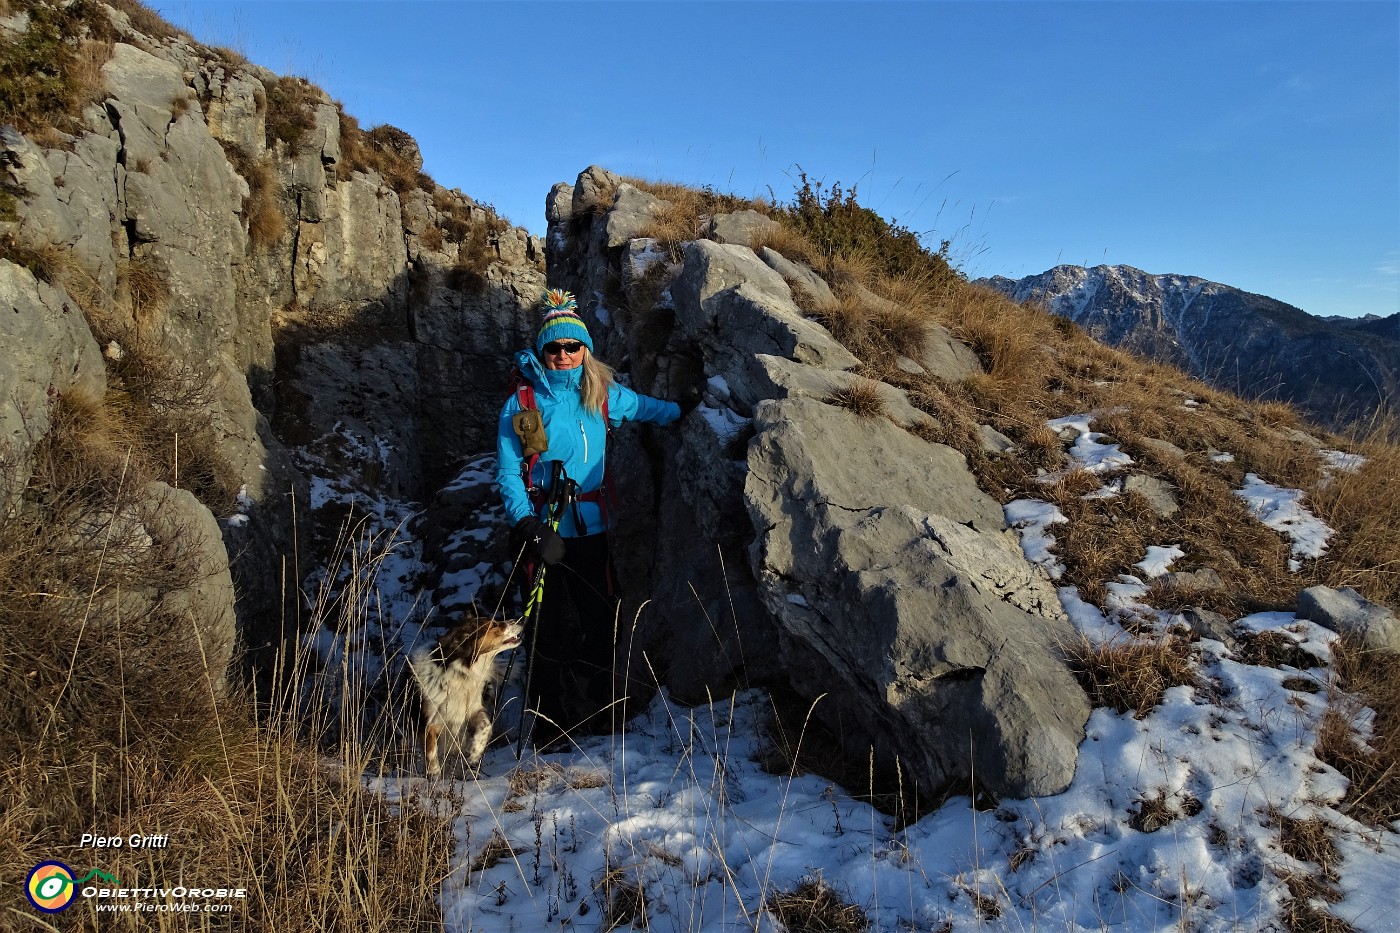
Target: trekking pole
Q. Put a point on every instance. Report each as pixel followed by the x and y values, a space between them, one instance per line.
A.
pixel 553 511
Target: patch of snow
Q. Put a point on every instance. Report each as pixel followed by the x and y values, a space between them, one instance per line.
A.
pixel 1159 560
pixel 725 422
pixel 1222 457
pixel 1341 461
pixel 1282 510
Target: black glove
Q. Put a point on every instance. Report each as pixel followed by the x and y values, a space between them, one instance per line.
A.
pixel 539 540
pixel 689 399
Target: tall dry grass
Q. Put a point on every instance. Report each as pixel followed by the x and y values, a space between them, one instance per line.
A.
pixel 114 723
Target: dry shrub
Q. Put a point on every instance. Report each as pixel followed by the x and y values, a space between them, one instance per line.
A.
pixel 861 397
pixel 141 287
pixel 1131 675
pixel 291 104
pixel 816 907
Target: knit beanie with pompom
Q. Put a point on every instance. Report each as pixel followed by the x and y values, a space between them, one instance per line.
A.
pixel 561 321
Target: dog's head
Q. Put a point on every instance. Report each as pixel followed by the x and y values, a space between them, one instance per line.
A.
pixel 470 638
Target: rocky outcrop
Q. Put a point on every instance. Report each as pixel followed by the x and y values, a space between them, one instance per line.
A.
pixel 321 291
pixel 786 541
pixel 1335 370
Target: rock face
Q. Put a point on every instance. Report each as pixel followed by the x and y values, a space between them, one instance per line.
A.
pixel 787 541
pixel 238 226
pixel 1334 369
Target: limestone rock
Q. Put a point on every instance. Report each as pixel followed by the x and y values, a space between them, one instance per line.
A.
pixel 799 273
pixel 733 304
pixel 774 377
pixel 49 351
pixel 177 522
pixel 742 227
pixel 559 203
pixel 993 441
pixel 632 210
pixel 594 191
pixel 1349 613
pixel 885 592
pixel 1160 494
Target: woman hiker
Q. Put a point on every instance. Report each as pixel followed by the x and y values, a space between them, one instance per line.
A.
pixel 577 399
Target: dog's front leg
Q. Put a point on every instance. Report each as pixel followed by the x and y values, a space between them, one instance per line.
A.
pixel 480 729
pixel 430 749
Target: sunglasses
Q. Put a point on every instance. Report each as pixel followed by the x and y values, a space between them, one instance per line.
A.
pixel 555 347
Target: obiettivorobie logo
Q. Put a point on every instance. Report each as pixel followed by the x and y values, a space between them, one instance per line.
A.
pixel 51 886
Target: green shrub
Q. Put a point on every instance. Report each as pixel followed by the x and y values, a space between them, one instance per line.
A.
pixel 833 221
pixel 47 73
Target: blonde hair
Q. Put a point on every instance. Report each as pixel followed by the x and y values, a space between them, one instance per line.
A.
pixel 598 378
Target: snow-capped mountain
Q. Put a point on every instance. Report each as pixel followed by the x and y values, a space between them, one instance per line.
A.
pixel 1337 370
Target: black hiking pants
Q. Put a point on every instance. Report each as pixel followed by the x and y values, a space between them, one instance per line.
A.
pixel 574 647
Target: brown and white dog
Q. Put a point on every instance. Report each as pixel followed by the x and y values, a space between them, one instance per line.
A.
pixel 452 676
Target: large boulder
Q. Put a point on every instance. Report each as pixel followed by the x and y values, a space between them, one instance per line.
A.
pixel 903 601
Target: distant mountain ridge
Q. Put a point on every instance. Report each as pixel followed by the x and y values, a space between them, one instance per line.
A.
pixel 1336 369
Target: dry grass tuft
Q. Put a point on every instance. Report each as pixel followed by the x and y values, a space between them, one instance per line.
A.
pixel 816 907
pixel 861 397
pixel 1161 809
pixel 49 261
pixel 141 287
pixel 263 215
pixel 291 104
pixel 384 149
pixel 1131 675
pixel 1371 678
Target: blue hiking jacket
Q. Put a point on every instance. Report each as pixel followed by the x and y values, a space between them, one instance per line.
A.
pixel 576 436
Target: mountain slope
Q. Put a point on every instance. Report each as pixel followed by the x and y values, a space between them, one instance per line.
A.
pixel 1337 371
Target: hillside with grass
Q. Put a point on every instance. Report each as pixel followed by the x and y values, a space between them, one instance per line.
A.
pixel 1338 371
pixel 940 614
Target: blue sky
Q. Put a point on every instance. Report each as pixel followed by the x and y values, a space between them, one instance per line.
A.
pixel 1252 143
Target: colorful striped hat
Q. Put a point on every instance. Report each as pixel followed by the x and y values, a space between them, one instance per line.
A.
pixel 561 321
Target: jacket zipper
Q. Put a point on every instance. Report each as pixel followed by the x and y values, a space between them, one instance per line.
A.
pixel 585 440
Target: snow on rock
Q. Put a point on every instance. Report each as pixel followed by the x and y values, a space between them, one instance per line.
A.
pixel 1032 518
pixel 1341 461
